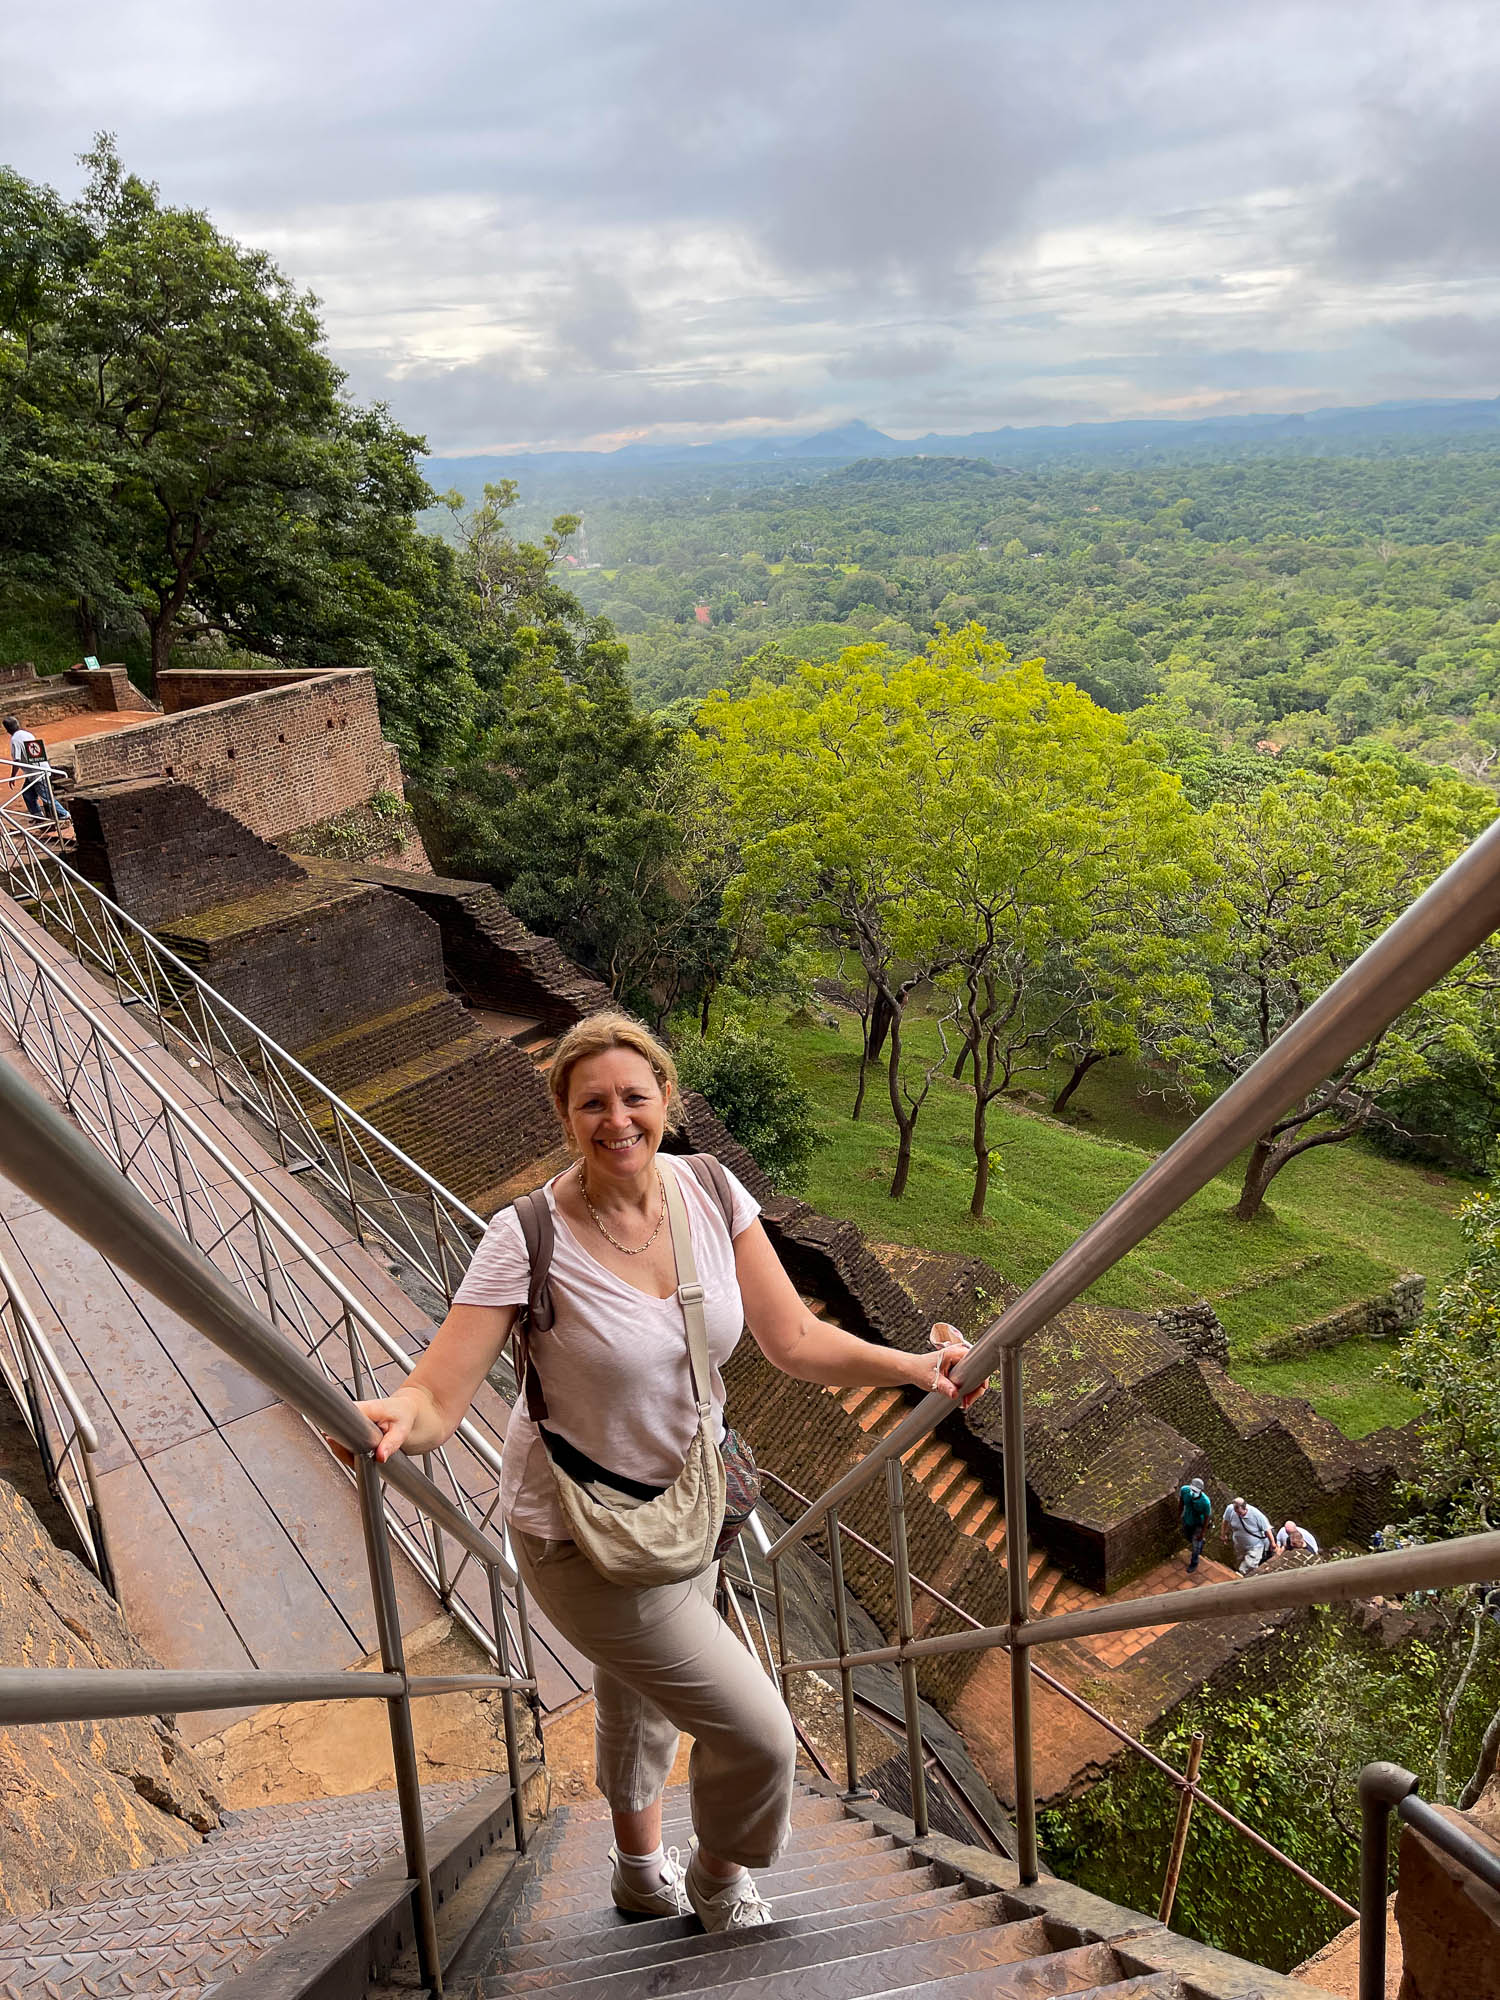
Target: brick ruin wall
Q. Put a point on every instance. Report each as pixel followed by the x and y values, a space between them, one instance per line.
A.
pixel 162 851
pixel 279 758
pixel 39 701
pixel 490 954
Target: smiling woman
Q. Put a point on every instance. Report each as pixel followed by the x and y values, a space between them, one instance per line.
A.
pixel 654 1263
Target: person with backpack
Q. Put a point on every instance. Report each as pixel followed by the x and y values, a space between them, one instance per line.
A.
pixel 1197 1512
pixel 629 1278
pixel 28 756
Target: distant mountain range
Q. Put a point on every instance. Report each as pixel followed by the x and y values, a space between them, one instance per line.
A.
pixel 1338 430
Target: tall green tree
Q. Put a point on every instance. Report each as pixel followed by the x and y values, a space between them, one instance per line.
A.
pixel 588 815
pixel 960 820
pixel 830 784
pixel 182 449
pixel 1315 868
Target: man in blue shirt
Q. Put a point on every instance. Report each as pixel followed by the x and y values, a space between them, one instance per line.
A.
pixel 1197 1512
pixel 1248 1532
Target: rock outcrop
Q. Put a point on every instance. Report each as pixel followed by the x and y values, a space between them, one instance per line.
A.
pixel 81 1799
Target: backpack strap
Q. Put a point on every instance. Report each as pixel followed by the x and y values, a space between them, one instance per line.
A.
pixel 709 1168
pixel 534 1213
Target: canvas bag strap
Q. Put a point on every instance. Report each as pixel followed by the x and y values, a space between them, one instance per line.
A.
pixel 689 1290
pixel 534 1213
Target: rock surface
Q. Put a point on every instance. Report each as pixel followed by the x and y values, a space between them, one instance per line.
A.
pixel 329 1749
pixel 81 1799
pixel 1450 1922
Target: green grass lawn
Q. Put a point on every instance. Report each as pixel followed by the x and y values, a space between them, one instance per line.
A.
pixel 1341 1222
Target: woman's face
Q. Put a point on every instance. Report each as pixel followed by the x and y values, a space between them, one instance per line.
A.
pixel 616 1114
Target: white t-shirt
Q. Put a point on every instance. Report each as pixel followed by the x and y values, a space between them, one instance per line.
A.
pixel 1309 1540
pixel 19 739
pixel 614 1363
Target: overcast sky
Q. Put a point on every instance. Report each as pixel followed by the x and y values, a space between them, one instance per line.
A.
pixel 685 218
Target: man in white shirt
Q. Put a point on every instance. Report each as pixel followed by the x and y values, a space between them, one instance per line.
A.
pixel 1294 1541
pixel 1248 1532
pixel 29 754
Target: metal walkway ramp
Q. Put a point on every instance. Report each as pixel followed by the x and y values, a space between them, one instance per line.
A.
pixel 233 1534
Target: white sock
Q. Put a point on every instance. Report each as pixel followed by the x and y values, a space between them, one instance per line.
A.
pixel 712 1884
pixel 642 1872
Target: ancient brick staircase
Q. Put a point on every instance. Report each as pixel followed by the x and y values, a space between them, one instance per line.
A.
pixel 186 1927
pixel 952 1485
pixel 861 1908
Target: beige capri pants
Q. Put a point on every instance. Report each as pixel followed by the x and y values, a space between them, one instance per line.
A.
pixel 664 1661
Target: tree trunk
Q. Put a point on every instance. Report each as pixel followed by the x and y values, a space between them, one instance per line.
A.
pixel 87 620
pixel 981 1156
pixel 882 1020
pixel 903 1161
pixel 1265 1164
pixel 161 644
pixel 1080 1071
pixel 704 1009
pixel 864 1065
pixel 1484 1766
pixel 905 1115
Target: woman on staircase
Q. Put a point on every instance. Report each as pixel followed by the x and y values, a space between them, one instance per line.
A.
pixel 615 1420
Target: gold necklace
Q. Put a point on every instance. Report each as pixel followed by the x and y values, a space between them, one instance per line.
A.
pixel 626 1248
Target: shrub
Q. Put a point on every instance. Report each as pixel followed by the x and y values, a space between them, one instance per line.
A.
pixel 750 1086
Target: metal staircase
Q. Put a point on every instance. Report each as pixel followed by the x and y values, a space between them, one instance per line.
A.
pixel 862 1908
pixel 188 1927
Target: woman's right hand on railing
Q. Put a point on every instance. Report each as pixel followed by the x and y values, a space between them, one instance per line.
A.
pixel 410 1410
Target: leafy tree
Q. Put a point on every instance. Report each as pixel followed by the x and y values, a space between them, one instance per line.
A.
pixel 750 1085
pixel 1054 869
pixel 183 448
pixel 829 781
pixel 1315 869
pixel 589 816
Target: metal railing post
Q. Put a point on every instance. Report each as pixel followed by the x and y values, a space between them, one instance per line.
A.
pixel 508 1712
pixel 895 1493
pixel 1381 1786
pixel 354 1215
pixel 778 1590
pixel 265 1070
pixel 403 1735
pixel 1018 1585
pixel 1185 1800
pixel 854 1789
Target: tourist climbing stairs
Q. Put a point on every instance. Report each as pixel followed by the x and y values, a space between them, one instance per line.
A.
pixel 861 1908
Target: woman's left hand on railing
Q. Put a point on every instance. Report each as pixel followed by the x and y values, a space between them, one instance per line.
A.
pixel 952 1347
pixel 404 1419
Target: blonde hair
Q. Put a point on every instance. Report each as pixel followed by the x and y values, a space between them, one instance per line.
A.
pixel 596 1036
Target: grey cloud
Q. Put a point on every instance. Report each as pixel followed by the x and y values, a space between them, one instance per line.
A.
pixel 674 212
pixel 891 360
pixel 597 322
pixel 1432 204
pixel 489 406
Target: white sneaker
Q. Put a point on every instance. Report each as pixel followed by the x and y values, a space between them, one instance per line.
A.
pixel 670 1900
pixel 733 1906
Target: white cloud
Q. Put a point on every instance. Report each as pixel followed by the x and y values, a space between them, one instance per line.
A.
pixel 678 216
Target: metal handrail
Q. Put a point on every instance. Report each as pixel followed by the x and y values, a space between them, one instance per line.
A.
pixel 1384 1788
pixel 980 1639
pixel 1457 913
pixel 1448 921
pixel 427 1226
pixel 51 1160
pixel 60 1427
pixel 76 1047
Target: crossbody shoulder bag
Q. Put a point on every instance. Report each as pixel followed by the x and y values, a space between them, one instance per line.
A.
pixel 633 1533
